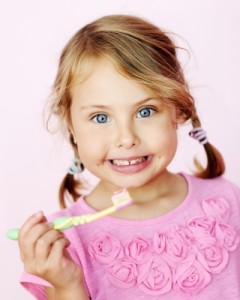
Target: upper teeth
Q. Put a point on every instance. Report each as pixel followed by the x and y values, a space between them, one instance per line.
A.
pixel 127 162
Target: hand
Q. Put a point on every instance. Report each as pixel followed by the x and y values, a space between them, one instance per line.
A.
pixel 43 252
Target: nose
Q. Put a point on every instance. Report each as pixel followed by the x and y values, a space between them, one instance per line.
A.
pixel 126 136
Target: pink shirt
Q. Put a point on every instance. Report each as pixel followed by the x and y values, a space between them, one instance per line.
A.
pixel 191 251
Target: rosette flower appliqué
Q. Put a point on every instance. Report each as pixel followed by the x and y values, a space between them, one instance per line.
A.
pixel 182 259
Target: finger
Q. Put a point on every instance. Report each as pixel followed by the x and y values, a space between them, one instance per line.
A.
pixel 31 221
pixel 53 266
pixel 34 219
pixel 58 251
pixel 29 239
pixel 44 244
pixel 36 233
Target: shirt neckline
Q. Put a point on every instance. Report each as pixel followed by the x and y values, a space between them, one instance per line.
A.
pixel 149 221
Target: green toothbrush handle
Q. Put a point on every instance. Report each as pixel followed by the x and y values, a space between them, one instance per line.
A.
pixel 61 223
pixel 13 234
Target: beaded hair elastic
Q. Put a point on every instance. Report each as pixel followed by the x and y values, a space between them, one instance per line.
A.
pixel 199 134
pixel 76 167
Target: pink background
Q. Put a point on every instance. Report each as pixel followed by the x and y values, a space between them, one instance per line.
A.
pixel 32 35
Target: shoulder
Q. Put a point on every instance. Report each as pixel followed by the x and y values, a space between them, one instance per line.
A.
pixel 219 192
pixel 73 234
pixel 75 208
pixel 211 186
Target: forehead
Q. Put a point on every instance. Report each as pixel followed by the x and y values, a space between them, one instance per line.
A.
pixel 103 81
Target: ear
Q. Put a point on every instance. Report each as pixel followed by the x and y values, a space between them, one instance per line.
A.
pixel 177 117
pixel 180 119
pixel 72 137
pixel 173 116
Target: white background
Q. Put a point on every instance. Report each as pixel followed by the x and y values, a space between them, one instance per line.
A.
pixel 32 161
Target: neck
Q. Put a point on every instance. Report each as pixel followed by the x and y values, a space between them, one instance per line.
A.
pixel 161 187
pixel 155 190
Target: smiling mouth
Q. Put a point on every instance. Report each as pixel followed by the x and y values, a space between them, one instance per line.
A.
pixel 123 162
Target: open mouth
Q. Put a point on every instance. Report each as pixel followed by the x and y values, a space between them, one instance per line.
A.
pixel 120 162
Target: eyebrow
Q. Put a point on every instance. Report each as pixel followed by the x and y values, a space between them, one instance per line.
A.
pixel 100 106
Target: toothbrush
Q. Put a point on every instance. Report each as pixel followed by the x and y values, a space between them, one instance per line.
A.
pixel 120 200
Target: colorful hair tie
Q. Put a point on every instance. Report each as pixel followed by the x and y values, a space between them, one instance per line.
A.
pixel 76 167
pixel 199 134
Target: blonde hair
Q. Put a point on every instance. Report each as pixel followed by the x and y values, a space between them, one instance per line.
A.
pixel 141 52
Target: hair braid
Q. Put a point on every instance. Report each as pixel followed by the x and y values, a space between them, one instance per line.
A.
pixel 69 183
pixel 215 163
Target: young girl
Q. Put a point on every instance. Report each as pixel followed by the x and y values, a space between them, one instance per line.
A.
pixel 121 93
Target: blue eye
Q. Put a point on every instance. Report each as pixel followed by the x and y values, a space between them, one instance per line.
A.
pixel 101 118
pixel 145 112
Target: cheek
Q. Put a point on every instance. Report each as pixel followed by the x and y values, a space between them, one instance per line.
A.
pixel 89 155
pixel 86 144
pixel 90 147
pixel 172 142
pixel 164 140
pixel 90 139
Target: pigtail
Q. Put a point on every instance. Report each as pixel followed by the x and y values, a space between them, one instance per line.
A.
pixel 215 163
pixel 71 185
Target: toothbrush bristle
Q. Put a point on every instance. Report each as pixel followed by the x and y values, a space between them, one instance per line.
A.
pixel 121 199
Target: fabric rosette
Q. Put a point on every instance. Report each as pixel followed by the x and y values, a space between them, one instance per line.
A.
pixel 182 258
pixel 213 257
pixel 217 207
pixel 190 277
pixel 227 236
pixel 105 248
pixel 155 277
pixel 139 250
pixel 172 246
pixel 203 228
pixel 123 273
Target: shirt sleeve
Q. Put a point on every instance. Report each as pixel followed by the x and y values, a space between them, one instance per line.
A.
pixel 35 285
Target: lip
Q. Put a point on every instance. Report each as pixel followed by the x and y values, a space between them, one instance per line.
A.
pixel 130 169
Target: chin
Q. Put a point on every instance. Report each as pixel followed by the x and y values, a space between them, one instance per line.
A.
pixel 131 184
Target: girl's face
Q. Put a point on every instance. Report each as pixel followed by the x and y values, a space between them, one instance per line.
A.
pixel 125 136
